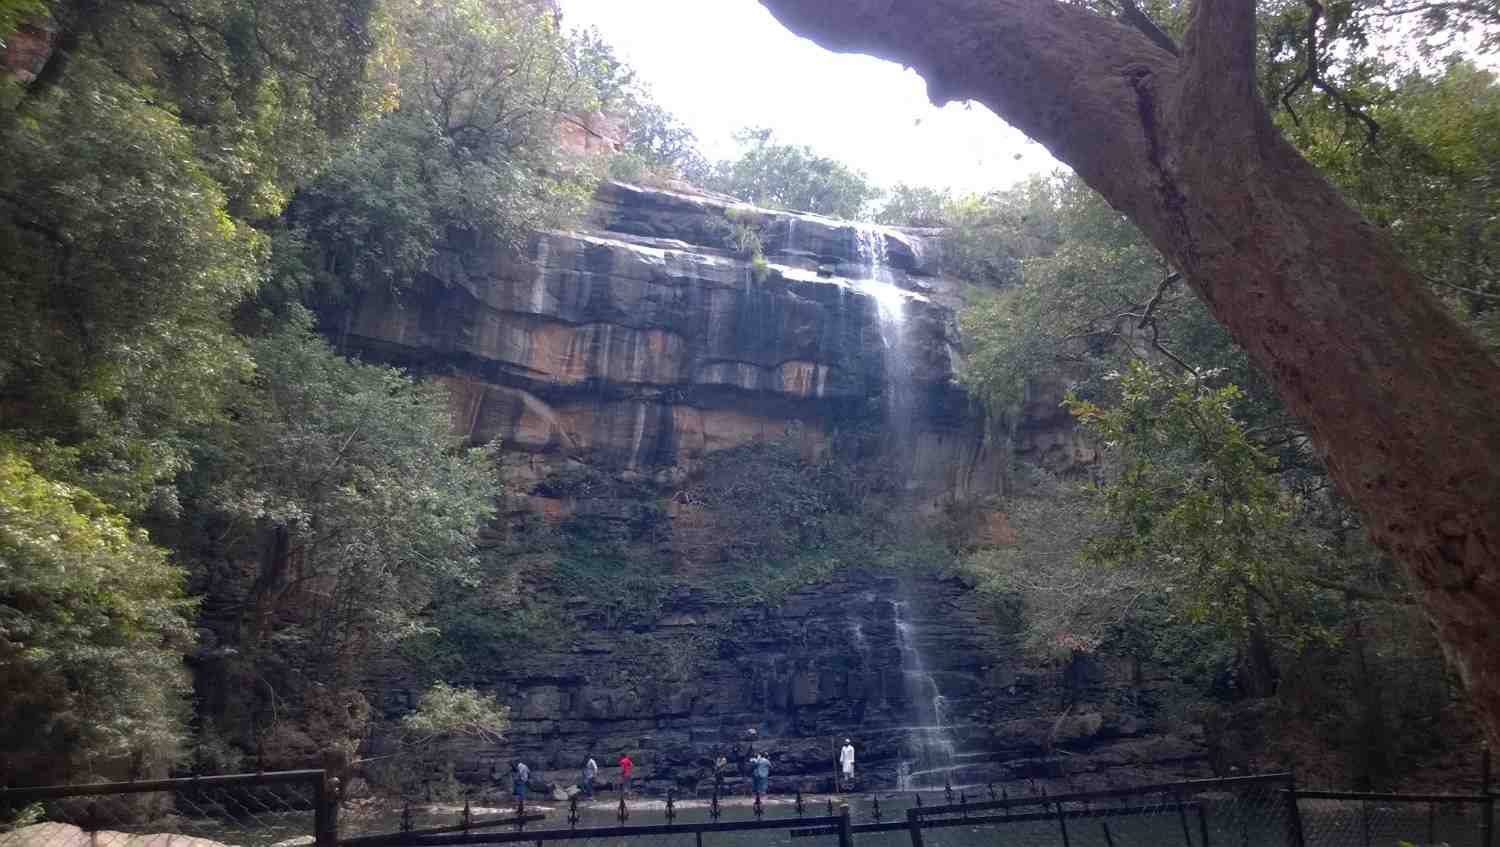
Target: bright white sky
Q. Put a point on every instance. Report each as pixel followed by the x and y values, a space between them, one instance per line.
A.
pixel 721 65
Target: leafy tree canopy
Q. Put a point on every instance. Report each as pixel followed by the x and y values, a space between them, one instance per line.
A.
pixel 93 623
pixel 122 266
pixel 367 496
pixel 470 153
pixel 789 176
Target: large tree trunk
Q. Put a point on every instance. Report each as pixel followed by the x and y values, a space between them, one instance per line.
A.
pixel 1400 398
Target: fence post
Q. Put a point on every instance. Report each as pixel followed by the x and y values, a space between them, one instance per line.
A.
pixel 846 837
pixel 1487 821
pixel 325 813
pixel 914 825
pixel 1293 814
pixel 1062 824
pixel 1187 836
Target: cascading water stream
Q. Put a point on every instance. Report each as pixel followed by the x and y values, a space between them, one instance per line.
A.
pixel 929 738
pixel 891 304
pixel 928 751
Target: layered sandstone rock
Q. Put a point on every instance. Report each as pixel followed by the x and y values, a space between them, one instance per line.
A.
pixel 642 343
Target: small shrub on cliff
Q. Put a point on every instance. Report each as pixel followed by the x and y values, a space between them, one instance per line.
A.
pixel 445 710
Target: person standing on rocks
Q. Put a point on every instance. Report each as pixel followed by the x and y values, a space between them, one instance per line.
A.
pixel 519 775
pixel 846 762
pixel 760 773
pixel 590 773
pixel 625 766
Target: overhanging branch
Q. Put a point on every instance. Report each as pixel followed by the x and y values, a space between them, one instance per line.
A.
pixel 1140 20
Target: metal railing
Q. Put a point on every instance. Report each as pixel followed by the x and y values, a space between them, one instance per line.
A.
pixel 296 809
pixel 253 809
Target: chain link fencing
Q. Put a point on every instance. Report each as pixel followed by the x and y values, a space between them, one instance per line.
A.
pixel 1258 811
pixel 1341 819
pixel 283 809
pixel 1202 813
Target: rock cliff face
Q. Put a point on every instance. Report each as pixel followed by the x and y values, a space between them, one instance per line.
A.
pixel 827 663
pixel 640 345
pixel 643 343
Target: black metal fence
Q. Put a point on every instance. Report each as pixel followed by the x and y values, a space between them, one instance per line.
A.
pixel 294 808
pixel 284 808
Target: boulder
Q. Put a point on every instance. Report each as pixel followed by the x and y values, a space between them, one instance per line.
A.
pixel 51 834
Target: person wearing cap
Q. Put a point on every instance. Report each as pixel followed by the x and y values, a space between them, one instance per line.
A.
pixel 846 761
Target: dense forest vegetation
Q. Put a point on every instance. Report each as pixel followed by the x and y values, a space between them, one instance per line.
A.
pixel 185 184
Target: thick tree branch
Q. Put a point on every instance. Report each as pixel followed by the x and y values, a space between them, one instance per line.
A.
pixel 1219 54
pixel 1397 395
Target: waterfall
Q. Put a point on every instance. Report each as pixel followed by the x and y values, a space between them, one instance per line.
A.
pixel 928 750
pixel 929 737
pixel 891 304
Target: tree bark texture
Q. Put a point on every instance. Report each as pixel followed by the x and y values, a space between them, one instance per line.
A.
pixel 1399 397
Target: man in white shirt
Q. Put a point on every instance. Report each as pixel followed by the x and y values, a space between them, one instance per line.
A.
pixel 846 761
pixel 590 773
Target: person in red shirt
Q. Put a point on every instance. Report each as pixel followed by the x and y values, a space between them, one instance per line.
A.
pixel 625 765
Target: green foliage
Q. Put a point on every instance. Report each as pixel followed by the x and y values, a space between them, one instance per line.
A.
pixel 1431 180
pixel 457 712
pixel 264 84
pixel 470 154
pixel 767 502
pixel 741 231
pixel 138 171
pixel 343 476
pixel 789 176
pixel 93 624
pixel 988 235
pixel 1043 579
pixel 121 266
pixel 657 146
pixel 1067 308
pixel 629 587
pixel 1190 499
pixel 13 13
pixel 782 523
pixel 479 622
pixel 915 205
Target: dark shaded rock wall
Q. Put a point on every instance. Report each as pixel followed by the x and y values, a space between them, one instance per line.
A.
pixel 822 665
